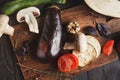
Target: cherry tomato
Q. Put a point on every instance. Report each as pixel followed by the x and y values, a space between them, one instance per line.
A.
pixel 108 47
pixel 67 62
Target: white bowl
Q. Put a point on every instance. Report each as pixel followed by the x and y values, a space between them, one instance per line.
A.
pixel 106 7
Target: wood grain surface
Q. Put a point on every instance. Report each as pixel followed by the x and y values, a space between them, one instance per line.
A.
pixel 34 69
pixel 9 70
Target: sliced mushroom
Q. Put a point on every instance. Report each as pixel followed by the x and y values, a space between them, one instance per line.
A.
pixel 28 15
pixel 4 26
pixel 86 57
pixel 95 43
pixel 80 43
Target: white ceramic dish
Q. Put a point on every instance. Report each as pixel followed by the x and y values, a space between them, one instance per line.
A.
pixel 106 7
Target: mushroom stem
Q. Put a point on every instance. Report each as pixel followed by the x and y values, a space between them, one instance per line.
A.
pixel 9 30
pixel 32 22
pixel 72 45
pixel 82 42
pixel 4 26
pixel 79 44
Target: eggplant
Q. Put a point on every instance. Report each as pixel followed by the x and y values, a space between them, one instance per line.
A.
pixel 49 46
pixel 89 30
pixel 103 30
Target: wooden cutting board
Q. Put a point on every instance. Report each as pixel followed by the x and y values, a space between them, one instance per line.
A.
pixel 33 69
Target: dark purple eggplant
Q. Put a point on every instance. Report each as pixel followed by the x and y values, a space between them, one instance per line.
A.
pixel 103 30
pixel 89 30
pixel 50 42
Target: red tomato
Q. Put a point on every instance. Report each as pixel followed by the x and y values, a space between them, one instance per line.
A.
pixel 67 62
pixel 108 47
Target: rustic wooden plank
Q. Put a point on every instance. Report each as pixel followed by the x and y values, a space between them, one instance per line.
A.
pixel 82 76
pixel 111 71
pixel 82 14
pixel 106 72
pixel 96 74
pixel 114 25
pixel 9 70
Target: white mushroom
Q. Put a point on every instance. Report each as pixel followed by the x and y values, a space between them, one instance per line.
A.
pixel 28 15
pixel 4 26
pixel 80 43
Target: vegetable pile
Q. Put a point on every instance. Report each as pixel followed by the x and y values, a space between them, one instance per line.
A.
pixel 84 49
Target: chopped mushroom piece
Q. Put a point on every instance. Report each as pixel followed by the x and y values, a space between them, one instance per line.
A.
pixel 4 26
pixel 73 27
pixel 28 15
pixel 80 43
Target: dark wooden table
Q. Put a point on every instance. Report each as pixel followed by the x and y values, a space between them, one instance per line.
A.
pixel 8 71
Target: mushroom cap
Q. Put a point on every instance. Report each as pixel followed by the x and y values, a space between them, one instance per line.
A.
pixel 21 14
pixel 106 7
